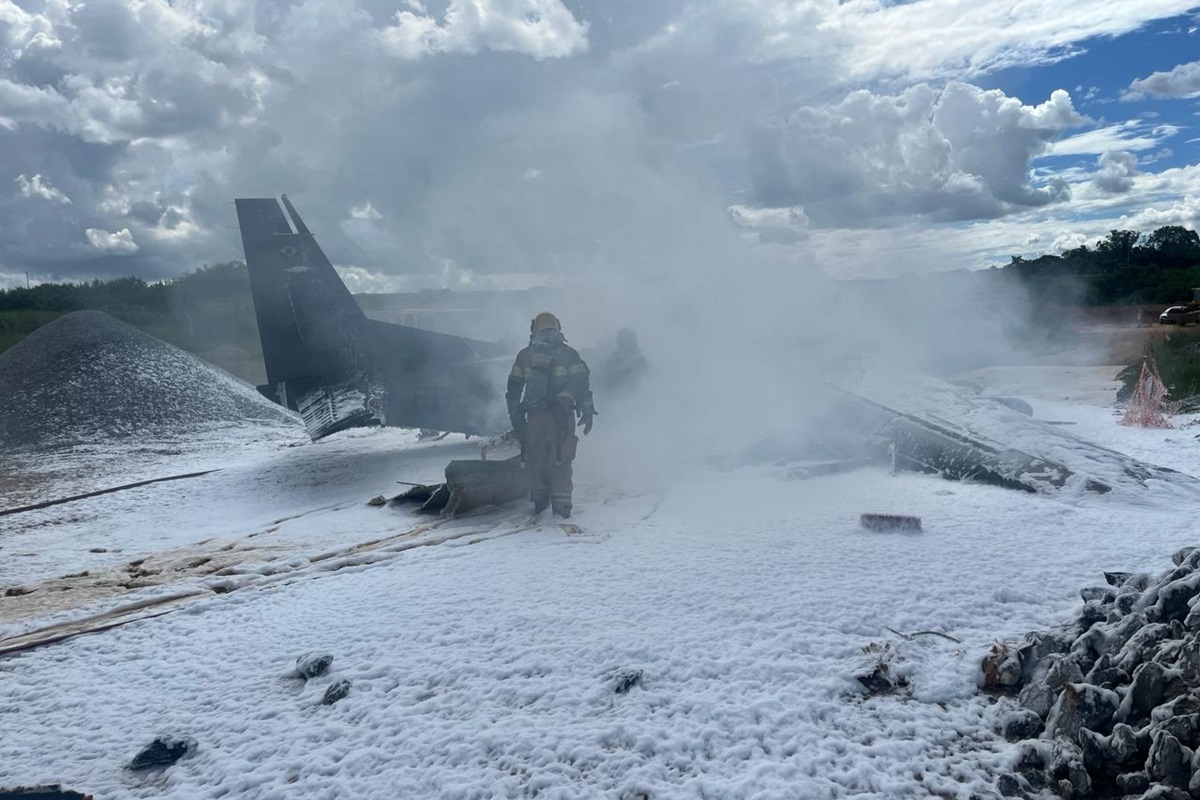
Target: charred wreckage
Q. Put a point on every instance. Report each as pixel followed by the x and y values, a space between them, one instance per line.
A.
pixel 339 369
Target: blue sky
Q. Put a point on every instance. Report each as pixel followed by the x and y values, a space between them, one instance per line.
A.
pixel 1098 77
pixel 481 143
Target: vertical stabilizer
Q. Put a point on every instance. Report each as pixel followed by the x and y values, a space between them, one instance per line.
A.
pixel 309 323
pixel 326 360
pixel 307 318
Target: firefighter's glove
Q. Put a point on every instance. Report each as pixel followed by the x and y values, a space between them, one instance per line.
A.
pixel 585 421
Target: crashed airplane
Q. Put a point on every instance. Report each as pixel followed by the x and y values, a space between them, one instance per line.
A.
pixel 326 360
pixel 338 369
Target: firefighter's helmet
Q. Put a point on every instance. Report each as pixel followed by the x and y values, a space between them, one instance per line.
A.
pixel 543 321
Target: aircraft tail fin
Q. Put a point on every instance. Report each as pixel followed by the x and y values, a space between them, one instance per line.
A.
pixel 306 315
pixel 308 321
pixel 326 360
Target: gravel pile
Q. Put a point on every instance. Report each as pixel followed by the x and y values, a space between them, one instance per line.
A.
pixel 1110 705
pixel 88 377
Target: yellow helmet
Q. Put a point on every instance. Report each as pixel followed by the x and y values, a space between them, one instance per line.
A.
pixel 543 321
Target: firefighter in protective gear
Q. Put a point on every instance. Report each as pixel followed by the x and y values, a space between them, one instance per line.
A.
pixel 548 389
pixel 626 365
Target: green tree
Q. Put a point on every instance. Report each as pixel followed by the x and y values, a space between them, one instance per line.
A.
pixel 1117 247
pixel 1175 245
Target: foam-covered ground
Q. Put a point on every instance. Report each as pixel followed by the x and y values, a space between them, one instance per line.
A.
pixel 482 666
pixel 1085 398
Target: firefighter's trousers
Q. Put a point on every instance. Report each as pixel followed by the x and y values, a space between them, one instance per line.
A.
pixel 550 445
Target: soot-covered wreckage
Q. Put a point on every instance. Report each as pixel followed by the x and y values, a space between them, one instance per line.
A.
pixel 326 360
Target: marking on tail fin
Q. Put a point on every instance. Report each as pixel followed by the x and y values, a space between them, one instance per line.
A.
pixel 301 228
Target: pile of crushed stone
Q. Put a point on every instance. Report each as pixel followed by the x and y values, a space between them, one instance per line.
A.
pixel 87 377
pixel 1109 706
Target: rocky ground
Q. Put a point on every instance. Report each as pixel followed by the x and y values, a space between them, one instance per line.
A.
pixel 1109 705
pixel 87 378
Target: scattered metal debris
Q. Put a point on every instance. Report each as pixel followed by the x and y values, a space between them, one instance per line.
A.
pixel 163 751
pixel 882 523
pixel 336 692
pixel 47 792
pixel 625 679
pixel 881 676
pixel 469 485
pixel 910 636
pixel 311 665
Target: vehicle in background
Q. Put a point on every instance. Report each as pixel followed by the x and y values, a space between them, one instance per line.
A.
pixel 1180 315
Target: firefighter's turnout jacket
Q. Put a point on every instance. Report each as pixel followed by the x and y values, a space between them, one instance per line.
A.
pixel 548 387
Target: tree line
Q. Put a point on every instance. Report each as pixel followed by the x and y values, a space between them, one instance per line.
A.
pixel 208 311
pixel 1123 268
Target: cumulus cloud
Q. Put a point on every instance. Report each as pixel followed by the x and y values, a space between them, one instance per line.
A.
pixel 22 31
pixel 1116 173
pixel 956 153
pixel 37 186
pixel 1170 197
pixel 169 221
pixel 118 242
pixel 365 212
pixel 1182 81
pixel 1185 212
pixel 119 71
pixel 538 28
pixel 553 137
pixel 1068 240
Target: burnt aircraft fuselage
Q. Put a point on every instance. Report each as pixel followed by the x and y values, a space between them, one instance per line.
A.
pixel 326 360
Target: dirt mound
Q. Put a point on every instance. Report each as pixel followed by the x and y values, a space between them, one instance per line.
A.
pixel 88 377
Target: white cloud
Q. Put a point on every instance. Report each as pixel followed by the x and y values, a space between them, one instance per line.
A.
pixel 740 119
pixel 361 280
pixel 1168 198
pixel 538 28
pixel 113 202
pixel 37 186
pixel 1149 189
pixel 22 31
pixel 121 242
pixel 1117 171
pixel 175 224
pixel 772 225
pixel 1067 240
pixel 1132 135
pixel 1182 81
pixel 927 39
pixel 1185 212
pixel 365 212
pixel 110 71
pixel 955 153
pixel 1154 158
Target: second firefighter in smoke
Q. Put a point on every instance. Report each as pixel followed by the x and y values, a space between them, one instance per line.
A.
pixel 548 390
